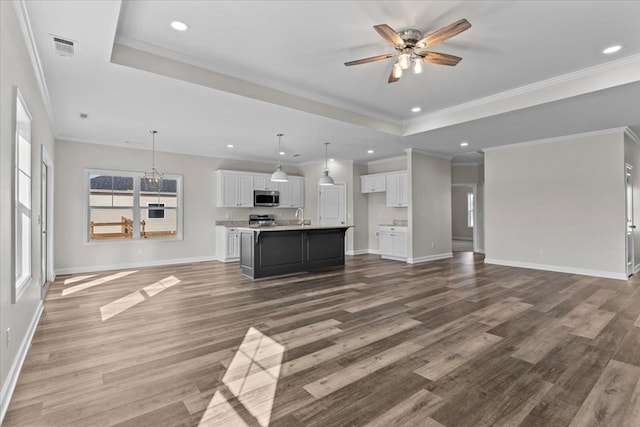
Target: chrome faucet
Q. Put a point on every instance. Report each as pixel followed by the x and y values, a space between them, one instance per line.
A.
pixel 300 216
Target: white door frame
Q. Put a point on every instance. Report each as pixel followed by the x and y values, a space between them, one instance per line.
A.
pixel 46 253
pixel 630 226
pixel 475 212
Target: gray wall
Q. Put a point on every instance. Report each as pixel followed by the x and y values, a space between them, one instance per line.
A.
pixel 473 174
pixel 430 207
pixel 558 205
pixel 16 71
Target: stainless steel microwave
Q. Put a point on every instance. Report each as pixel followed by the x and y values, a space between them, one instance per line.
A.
pixel 266 198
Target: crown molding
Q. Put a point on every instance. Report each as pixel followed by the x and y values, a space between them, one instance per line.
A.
pixel 429 153
pixel 556 139
pixel 602 76
pixel 25 26
pixel 632 135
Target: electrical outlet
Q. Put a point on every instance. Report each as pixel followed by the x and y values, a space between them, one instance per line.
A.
pixel 433 245
pixel 8 336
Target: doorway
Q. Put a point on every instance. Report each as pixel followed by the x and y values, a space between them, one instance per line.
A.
pixel 46 222
pixel 464 231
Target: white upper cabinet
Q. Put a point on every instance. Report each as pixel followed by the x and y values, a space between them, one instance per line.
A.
pixel 263 182
pixel 397 194
pixel 375 183
pixel 235 190
pixel 292 192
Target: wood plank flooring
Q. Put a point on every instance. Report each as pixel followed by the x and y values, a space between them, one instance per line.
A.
pixel 378 343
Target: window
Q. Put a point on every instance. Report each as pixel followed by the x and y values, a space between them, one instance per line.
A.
pixel 122 208
pixel 22 198
pixel 470 210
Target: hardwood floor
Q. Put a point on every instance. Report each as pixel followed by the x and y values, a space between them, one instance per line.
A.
pixel 379 343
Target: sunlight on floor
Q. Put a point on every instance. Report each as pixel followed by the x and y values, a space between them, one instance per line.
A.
pixel 96 282
pixel 250 384
pixel 75 279
pixel 118 306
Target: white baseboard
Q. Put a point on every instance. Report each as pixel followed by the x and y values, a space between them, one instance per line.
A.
pixel 557 268
pixel 374 251
pixel 358 252
pixel 429 258
pixel 106 267
pixel 395 258
pixel 12 378
pixel 469 239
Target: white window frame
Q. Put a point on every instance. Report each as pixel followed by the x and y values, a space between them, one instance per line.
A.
pixel 136 208
pixel 22 129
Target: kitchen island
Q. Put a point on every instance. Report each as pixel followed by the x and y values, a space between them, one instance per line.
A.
pixel 271 251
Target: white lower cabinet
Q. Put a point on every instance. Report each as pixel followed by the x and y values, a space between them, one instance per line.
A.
pixel 393 242
pixel 227 244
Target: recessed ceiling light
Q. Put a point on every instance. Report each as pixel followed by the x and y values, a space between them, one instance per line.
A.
pixel 369 151
pixel 464 144
pixel 179 26
pixel 332 160
pixel 229 145
pixel 612 49
pixel 416 109
pixel 282 153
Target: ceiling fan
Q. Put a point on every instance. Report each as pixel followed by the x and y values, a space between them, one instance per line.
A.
pixel 411 46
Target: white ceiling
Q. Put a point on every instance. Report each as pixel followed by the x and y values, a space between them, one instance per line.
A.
pixel 247 70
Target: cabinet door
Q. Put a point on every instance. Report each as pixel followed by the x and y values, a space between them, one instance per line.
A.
pixel 397 195
pixel 296 189
pixel 263 182
pixel 399 244
pixel 386 243
pixel 372 183
pixel 228 188
pixel 285 193
pixel 233 249
pixel 245 191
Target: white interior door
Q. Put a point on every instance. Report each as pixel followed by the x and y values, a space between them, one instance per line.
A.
pixel 332 204
pixel 629 217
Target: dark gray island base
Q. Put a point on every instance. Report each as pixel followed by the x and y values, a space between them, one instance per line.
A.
pixel 282 250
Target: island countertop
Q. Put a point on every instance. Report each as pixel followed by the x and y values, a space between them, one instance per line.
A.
pixel 295 227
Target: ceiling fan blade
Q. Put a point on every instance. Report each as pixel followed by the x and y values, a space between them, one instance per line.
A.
pixel 390 35
pixel 444 33
pixel 392 78
pixel 367 60
pixel 439 58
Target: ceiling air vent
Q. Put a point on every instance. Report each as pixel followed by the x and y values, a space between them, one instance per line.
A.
pixel 63 47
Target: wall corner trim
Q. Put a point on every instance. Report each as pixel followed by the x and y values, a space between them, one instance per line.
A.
pixel 558 268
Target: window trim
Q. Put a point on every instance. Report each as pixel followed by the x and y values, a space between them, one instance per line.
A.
pixel 136 208
pixel 18 289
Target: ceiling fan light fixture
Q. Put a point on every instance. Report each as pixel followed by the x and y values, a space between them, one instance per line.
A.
pixel 279 175
pixel 404 59
pixel 417 66
pixel 397 70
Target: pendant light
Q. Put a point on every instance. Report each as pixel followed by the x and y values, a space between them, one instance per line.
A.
pixel 279 175
pixel 326 179
pixel 153 178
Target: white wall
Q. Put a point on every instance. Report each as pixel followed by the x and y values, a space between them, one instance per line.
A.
pixel 73 253
pixel 558 205
pixel 16 71
pixel 430 207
